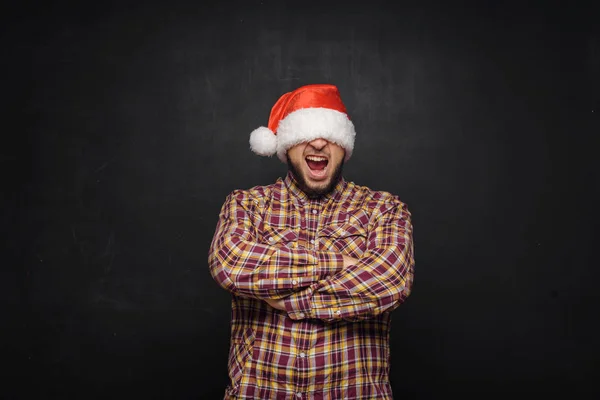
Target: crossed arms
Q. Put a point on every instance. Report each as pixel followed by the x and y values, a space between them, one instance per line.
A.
pixel 308 283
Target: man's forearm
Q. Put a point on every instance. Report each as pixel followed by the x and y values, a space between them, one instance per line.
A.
pixel 279 304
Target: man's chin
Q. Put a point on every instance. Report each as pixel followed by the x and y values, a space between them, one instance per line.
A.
pixel 318 187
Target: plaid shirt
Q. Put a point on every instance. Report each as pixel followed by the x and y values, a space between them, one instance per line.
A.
pixel 332 342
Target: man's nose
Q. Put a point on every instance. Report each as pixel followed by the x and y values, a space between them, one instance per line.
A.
pixel 318 144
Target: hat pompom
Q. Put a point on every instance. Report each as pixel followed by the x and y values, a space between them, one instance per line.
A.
pixel 263 141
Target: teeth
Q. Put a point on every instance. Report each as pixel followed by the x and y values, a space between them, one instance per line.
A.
pixel 316 158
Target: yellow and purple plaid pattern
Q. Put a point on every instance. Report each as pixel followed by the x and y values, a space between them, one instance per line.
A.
pixel 332 342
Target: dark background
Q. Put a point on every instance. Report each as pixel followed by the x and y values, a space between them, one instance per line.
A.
pixel 126 125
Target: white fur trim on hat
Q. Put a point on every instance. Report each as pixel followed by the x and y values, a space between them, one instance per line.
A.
pixel 263 141
pixel 308 124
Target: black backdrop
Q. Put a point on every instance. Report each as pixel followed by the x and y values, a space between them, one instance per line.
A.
pixel 126 125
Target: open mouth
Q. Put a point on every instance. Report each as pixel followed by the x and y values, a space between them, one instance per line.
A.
pixel 317 166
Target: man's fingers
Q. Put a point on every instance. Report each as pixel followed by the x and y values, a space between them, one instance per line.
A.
pixel 348 261
pixel 277 304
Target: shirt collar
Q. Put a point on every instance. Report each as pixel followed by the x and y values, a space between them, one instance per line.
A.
pixel 292 184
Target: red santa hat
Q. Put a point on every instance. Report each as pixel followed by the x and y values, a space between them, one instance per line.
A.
pixel 307 113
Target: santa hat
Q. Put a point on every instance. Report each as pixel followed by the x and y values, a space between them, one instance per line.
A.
pixel 307 113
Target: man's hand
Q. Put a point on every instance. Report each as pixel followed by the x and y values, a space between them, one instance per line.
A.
pixel 277 304
pixel 348 261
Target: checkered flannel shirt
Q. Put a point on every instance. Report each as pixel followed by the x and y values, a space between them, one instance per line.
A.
pixel 332 340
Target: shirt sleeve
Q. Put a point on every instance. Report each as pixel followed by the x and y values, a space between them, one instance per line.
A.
pixel 242 265
pixel 379 282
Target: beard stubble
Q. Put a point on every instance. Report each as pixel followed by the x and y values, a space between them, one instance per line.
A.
pixel 315 192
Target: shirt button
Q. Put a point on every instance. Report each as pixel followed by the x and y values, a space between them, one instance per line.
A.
pixel 312 241
pixel 271 239
pixel 314 212
pixel 301 315
pixel 294 282
pixel 338 312
pixel 302 355
pixel 298 395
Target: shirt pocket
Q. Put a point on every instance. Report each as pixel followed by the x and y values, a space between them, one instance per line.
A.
pixel 280 237
pixel 350 240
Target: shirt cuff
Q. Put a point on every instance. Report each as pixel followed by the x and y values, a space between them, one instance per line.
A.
pixel 299 305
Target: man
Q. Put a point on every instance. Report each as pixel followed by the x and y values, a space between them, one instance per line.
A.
pixel 315 263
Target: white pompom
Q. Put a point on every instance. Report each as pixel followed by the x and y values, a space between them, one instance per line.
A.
pixel 263 141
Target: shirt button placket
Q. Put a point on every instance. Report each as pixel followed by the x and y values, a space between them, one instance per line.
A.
pixel 302 362
pixel 314 225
